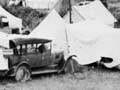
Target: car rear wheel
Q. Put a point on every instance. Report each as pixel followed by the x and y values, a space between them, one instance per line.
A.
pixel 22 74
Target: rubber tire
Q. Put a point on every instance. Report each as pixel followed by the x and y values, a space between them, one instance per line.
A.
pixel 22 74
pixel 72 66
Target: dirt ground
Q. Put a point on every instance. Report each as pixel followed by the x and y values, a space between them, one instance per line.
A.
pixel 93 79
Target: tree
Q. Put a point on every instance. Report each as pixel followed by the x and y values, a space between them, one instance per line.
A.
pixel 4 2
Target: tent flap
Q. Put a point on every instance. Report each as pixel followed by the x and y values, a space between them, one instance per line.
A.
pixel 91 40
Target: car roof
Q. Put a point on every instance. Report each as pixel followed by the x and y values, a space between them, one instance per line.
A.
pixel 19 41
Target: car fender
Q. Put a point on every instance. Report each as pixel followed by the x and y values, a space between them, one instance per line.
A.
pixel 71 56
pixel 23 63
pixel 67 60
pixel 14 68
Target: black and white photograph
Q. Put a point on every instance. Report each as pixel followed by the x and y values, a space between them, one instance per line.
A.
pixel 59 44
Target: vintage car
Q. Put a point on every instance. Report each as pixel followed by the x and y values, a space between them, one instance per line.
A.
pixel 27 56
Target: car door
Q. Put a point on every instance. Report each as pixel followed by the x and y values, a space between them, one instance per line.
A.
pixel 46 58
pixel 33 56
pixel 46 54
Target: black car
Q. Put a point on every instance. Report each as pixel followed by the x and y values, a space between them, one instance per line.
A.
pixel 27 56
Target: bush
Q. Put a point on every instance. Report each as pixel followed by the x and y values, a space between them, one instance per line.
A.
pixel 31 17
pixel 113 1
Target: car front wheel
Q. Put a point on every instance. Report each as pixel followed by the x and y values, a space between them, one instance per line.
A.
pixel 22 74
pixel 71 66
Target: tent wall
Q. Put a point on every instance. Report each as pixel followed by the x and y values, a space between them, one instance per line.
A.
pixel 96 11
pixel 52 27
pixel 92 11
pixel 91 40
pixel 13 21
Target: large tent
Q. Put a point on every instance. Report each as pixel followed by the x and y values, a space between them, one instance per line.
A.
pixel 52 27
pixel 91 40
pixel 95 10
pixel 13 21
pixel 41 4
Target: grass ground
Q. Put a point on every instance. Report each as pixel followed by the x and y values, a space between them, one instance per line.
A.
pixel 95 79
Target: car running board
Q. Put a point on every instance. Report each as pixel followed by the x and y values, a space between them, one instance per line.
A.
pixel 44 71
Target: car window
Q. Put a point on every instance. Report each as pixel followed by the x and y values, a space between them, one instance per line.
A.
pixel 44 47
pixel 17 49
pixel 31 48
pixel 24 51
pixel 48 46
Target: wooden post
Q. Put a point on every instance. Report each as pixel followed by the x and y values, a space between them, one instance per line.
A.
pixel 70 11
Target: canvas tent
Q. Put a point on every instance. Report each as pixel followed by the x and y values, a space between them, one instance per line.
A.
pixel 52 27
pixel 88 40
pixel 3 61
pixel 93 11
pixel 2 35
pixel 91 40
pixel 13 21
pixel 41 4
pixel 5 44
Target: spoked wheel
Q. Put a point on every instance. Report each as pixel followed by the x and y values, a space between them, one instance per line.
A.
pixel 22 74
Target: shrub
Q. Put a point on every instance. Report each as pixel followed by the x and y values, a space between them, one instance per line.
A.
pixel 31 17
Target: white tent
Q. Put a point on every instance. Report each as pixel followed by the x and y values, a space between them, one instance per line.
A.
pixel 2 35
pixel 4 43
pixel 76 17
pixel 5 39
pixel 91 40
pixel 52 27
pixel 13 21
pixel 3 61
pixel 93 11
pixel 41 4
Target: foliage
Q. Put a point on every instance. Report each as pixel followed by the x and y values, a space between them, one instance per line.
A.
pixel 31 17
pixel 4 2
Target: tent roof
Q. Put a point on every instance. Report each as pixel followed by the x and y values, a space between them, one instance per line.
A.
pixel 48 28
pixel 96 11
pixel 52 27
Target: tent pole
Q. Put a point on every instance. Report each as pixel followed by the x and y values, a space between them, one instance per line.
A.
pixel 70 9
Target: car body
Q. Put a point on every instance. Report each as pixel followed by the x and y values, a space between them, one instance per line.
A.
pixel 27 56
